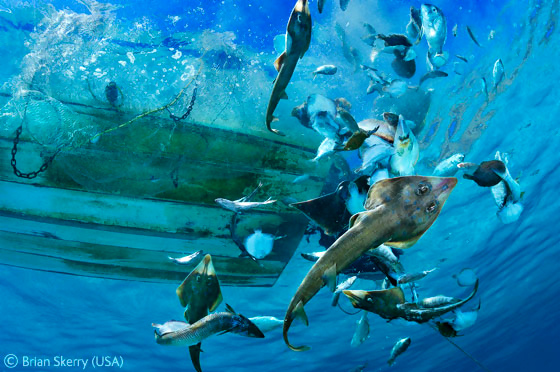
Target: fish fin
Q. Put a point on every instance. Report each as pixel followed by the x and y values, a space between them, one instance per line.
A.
pixel 299 313
pixel 229 309
pixel 216 302
pixel 194 352
pixel 354 219
pixel 335 298
pixel 468 176
pixel 329 277
pixel 279 61
pixel 284 95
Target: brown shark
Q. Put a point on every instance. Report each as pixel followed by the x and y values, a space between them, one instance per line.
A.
pixel 200 293
pixel 398 212
pixel 298 38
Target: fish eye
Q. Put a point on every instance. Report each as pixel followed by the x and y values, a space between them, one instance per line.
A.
pixel 432 207
pixel 423 189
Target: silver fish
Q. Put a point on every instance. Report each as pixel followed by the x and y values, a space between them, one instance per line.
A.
pixel 399 348
pixel 413 277
pixel 434 27
pixel 241 206
pixel 438 301
pixel 498 73
pixel 266 323
pixel 325 70
pixel 448 167
pixel 186 259
pixel 341 287
pixel 184 334
pixel 362 330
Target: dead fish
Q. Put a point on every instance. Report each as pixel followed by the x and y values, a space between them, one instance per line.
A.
pixel 298 38
pixel 186 259
pixel 498 73
pixel 472 37
pixel 387 262
pixel 462 58
pixel 414 26
pixel 341 287
pixel 237 206
pixel 396 88
pixel 448 167
pixel 434 27
pixel 438 301
pixel 390 218
pixel 371 36
pixel 455 30
pixel 403 63
pixel 487 174
pixel 346 120
pixel 413 277
pixel 266 323
pixel 399 348
pixel 466 277
pixel 358 138
pixel 343 4
pixel 301 178
pixel 184 334
pixel 432 75
pixel 392 40
pixel 362 330
pixel 325 70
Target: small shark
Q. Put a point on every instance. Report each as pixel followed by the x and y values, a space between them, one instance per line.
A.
pixel 298 38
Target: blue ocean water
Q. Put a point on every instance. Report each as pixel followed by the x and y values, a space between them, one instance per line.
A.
pixel 46 314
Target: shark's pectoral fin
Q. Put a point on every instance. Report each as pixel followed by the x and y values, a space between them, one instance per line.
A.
pixel 279 61
pixel 403 244
pixel 329 277
pixel 299 313
pixel 355 218
pixel 229 309
pixel 284 95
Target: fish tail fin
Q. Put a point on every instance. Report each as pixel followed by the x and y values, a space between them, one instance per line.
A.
pixel 194 352
pixel 291 314
pixel 275 131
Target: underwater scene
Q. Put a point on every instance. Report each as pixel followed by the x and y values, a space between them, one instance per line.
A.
pixel 281 185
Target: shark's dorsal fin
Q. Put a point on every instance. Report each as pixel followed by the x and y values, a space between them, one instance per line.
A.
pixel 279 61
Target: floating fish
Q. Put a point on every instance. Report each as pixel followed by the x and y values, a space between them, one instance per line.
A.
pixel 184 334
pixel 407 150
pixel 387 262
pixel 266 323
pixel 454 30
pixel 437 301
pixel 462 58
pixel 498 73
pixel 396 88
pixel 485 174
pixel 259 245
pixel 346 120
pixel 320 5
pixel 362 330
pixel 242 206
pixel 371 35
pixel 413 277
pixel 464 320
pixel 448 167
pixel 432 75
pixel 302 178
pixel 414 26
pixel 484 87
pixel 325 70
pixel 472 37
pixel 341 287
pixel 357 139
pixel 298 38
pixel 400 347
pixel 434 28
pixel 186 259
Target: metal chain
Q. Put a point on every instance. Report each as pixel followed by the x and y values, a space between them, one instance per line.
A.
pixel 30 175
pixel 189 108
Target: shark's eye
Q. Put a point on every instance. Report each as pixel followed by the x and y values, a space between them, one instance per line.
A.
pixel 432 207
pixel 423 189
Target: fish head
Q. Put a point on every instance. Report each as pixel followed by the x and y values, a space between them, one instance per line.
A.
pixel 201 285
pixel 412 202
pixel 430 13
pixel 382 302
